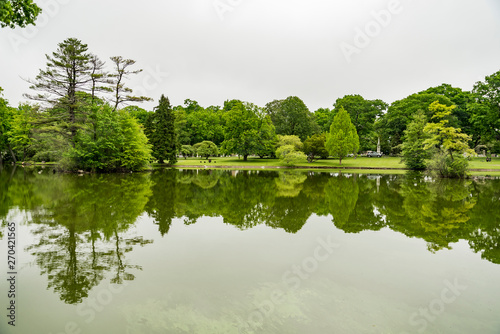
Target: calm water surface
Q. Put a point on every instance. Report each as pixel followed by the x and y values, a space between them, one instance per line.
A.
pixel 250 252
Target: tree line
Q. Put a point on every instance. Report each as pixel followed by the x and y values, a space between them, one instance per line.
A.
pixel 84 117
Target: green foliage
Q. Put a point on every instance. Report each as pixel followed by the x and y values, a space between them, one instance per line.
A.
pixel 314 147
pixel 485 110
pixel 392 124
pixel 448 144
pixel 289 155
pixel 413 149
pixel 18 13
pixel 292 141
pixel 324 118
pixel 19 135
pixel 449 166
pixel 187 151
pixel 266 142
pixel 241 132
pixel 206 149
pixel 163 136
pixel 342 138
pixel 118 144
pixel 292 117
pixel 445 137
pixel 363 114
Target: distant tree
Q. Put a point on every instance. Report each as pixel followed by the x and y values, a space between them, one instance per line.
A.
pixel 292 117
pixel 342 138
pixel 122 93
pixel 18 13
pixel 187 151
pixel 363 114
pixel 485 110
pixel 241 133
pixel 163 136
pixel 266 142
pixel 20 132
pixel 6 118
pixel 206 149
pixel 314 147
pixel 138 113
pixel 392 124
pixel 413 148
pixel 323 117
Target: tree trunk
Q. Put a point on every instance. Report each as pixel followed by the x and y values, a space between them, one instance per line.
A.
pixel 12 153
pixel 245 157
pixel 340 161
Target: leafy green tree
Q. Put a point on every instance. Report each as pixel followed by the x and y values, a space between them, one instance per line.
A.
pixel 485 109
pixel 292 117
pixel 187 151
pixel 462 114
pixel 19 135
pixel 118 144
pixel 266 142
pixel 448 143
pixel 413 148
pixel 18 13
pixel 323 117
pixel 135 151
pixel 291 140
pixel 181 126
pixel 289 155
pixel 163 136
pixel 314 147
pixel 392 124
pixel 138 113
pixel 206 149
pixel 241 132
pixel 342 138
pixel 363 114
pixel 6 118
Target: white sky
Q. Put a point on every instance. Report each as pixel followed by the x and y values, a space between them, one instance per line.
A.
pixel 261 50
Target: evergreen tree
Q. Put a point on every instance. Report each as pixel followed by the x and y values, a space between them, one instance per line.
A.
pixel 68 72
pixel 162 133
pixel 343 138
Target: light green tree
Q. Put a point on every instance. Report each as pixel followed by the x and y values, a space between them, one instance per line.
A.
pixel 289 155
pixel 206 149
pixel 19 135
pixel 448 143
pixel 342 138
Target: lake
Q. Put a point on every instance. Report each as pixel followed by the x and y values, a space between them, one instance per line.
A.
pixel 214 251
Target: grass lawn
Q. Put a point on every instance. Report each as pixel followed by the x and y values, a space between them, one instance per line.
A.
pixel 385 162
pixel 360 162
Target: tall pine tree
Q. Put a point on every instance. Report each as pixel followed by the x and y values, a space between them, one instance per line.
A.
pixel 162 132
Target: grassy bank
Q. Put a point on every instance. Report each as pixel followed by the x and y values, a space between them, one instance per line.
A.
pixel 348 163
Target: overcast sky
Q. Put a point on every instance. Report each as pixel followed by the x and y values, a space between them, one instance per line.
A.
pixel 262 50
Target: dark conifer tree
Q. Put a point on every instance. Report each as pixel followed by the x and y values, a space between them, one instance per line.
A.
pixel 162 134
